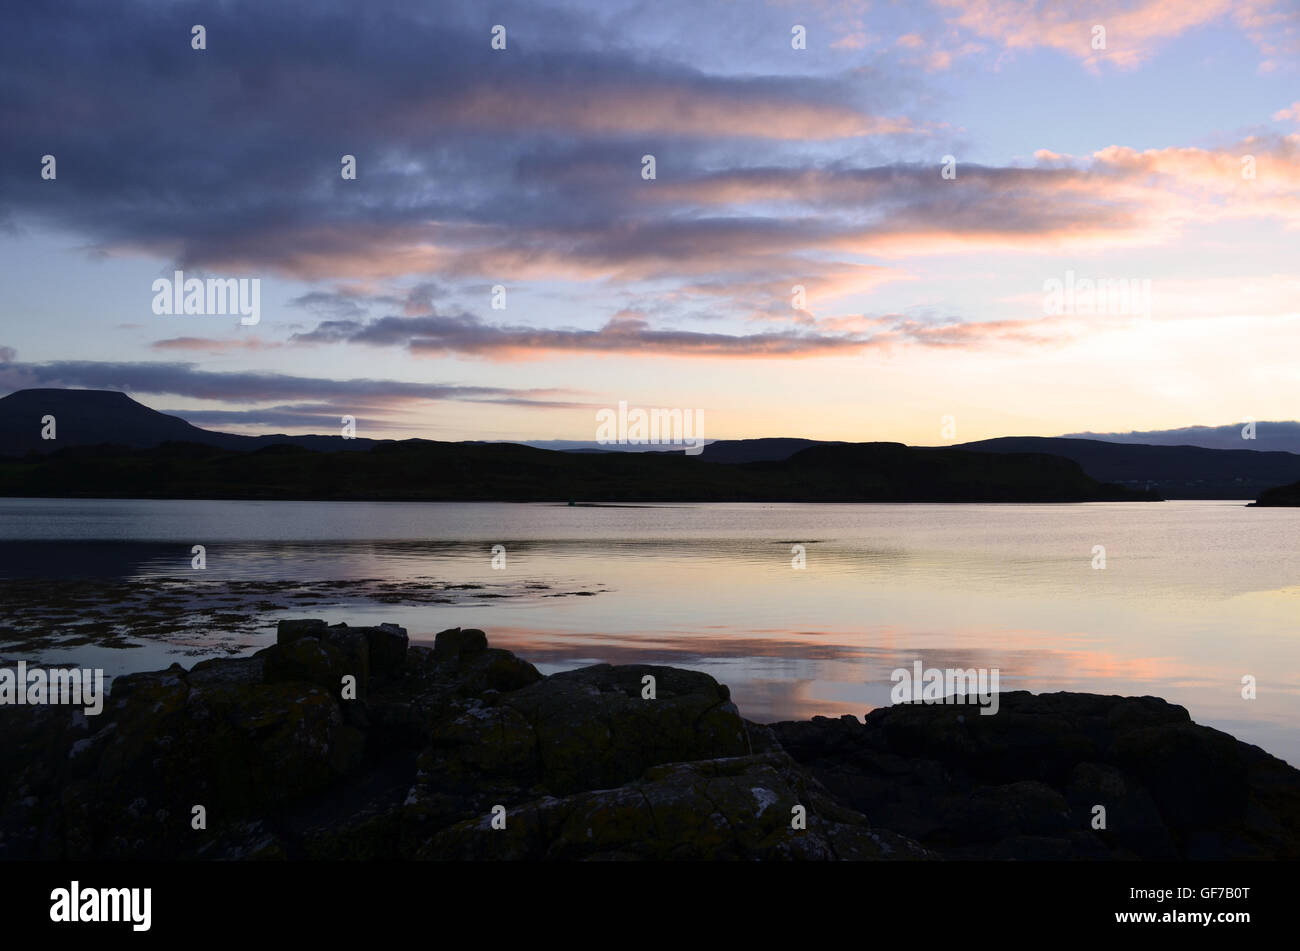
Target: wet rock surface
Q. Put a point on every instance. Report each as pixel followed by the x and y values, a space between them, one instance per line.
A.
pixel 345 742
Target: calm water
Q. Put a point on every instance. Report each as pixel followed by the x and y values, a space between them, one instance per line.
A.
pixel 1194 595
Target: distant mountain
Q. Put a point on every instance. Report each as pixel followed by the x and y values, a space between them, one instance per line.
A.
pixel 420 470
pixel 1269 437
pixel 892 472
pixel 1175 472
pixel 87 417
pixel 1240 471
pixel 95 417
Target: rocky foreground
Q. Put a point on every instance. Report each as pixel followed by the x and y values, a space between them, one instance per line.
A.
pixel 443 745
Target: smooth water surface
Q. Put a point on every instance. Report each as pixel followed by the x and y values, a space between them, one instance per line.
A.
pixel 1193 597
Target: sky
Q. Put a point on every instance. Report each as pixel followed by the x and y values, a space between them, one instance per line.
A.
pixel 864 220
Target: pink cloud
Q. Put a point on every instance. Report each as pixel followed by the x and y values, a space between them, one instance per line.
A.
pixel 1292 113
pixel 1134 29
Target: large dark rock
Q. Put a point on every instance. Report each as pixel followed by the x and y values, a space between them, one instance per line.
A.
pixel 227 670
pixel 454 641
pixel 388 644
pixel 605 762
pixel 591 728
pixel 1026 783
pixel 429 688
pixel 237 750
pixel 736 808
pixel 355 647
pixel 307 660
pixel 290 630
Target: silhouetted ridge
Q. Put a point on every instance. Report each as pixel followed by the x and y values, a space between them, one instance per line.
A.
pixel 96 417
pixel 419 470
pixel 1175 472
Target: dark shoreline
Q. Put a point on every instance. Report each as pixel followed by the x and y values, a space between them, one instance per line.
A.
pixel 415 471
pixel 1283 496
pixel 585 766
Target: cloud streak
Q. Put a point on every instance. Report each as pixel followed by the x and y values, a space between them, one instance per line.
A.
pixel 630 334
pixel 246 387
